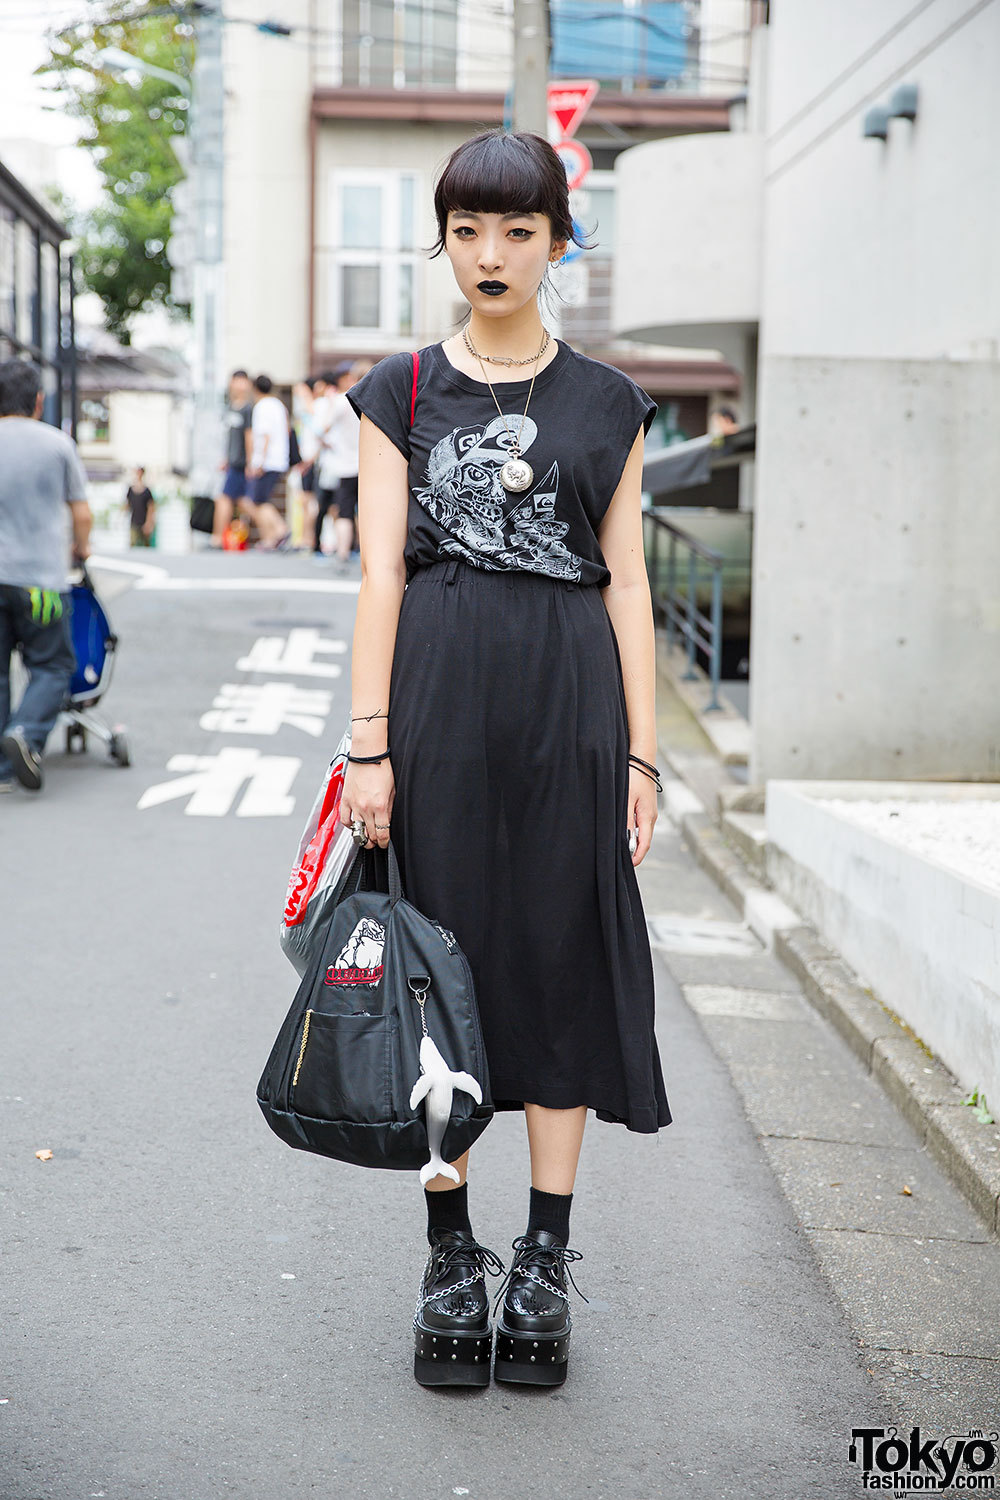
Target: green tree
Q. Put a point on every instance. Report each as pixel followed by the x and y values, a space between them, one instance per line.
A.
pixel 128 122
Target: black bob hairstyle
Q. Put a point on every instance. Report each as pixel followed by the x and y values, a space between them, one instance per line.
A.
pixel 504 172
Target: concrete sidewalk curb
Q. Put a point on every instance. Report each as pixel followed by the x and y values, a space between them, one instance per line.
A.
pixel 924 1092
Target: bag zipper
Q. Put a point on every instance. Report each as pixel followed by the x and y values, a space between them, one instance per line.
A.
pixel 302 1049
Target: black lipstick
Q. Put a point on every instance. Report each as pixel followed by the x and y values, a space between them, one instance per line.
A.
pixel 493 288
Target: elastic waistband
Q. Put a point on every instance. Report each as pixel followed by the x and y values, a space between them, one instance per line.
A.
pixel 450 568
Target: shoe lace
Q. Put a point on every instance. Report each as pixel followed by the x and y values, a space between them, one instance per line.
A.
pixel 556 1259
pixel 462 1250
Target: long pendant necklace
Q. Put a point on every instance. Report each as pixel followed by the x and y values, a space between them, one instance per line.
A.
pixel 516 474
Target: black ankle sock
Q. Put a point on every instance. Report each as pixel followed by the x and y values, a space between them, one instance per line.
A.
pixel 448 1209
pixel 550 1211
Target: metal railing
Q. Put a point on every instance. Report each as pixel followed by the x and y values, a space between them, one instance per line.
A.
pixel 678 610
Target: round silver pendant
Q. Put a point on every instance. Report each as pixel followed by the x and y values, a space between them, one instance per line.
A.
pixel 516 474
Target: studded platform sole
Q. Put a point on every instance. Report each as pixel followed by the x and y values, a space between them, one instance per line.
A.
pixel 452 1359
pixel 451 1322
pixel 533 1330
pixel 531 1361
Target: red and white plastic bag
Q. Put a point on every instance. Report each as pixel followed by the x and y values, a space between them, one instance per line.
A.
pixel 326 850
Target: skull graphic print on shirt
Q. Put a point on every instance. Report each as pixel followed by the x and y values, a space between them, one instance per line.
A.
pixel 488 526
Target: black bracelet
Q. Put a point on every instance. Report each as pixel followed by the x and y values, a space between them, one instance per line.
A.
pixel 659 784
pixel 643 763
pixel 366 717
pixel 367 760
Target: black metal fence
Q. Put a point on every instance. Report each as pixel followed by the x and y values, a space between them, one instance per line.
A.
pixel 674 583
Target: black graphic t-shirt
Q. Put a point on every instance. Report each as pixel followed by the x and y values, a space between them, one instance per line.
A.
pixel 581 423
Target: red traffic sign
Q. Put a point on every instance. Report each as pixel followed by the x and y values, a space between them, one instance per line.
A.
pixel 576 159
pixel 569 102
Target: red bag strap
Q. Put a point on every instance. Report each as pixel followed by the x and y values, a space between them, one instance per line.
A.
pixel 413 392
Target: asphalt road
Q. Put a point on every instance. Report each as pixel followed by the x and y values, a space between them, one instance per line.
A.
pixel 190 1309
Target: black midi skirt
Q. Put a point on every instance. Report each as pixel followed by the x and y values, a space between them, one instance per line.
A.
pixel 508 732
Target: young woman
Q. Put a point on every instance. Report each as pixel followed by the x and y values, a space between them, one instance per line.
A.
pixel 503 705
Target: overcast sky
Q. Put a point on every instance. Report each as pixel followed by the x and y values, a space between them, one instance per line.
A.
pixel 23 24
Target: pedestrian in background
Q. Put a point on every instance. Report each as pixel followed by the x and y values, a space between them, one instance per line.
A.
pixel 40 476
pixel 309 406
pixel 269 462
pixel 723 421
pixel 338 462
pixel 239 415
pixel 503 703
pixel 141 506
pixel 327 460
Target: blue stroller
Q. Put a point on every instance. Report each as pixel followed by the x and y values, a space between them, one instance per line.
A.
pixel 94 644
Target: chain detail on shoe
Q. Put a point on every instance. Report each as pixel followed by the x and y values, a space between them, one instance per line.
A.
pixel 483 1257
pixel 526 1246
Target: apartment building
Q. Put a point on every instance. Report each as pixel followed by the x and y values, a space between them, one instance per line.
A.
pixel 335 134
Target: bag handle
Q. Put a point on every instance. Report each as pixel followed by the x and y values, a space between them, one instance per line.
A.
pixel 366 875
pixel 413 388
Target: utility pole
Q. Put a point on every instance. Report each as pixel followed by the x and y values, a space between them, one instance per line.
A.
pixel 531 66
pixel 207 143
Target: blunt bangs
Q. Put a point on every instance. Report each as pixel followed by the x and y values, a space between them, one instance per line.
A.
pixel 504 172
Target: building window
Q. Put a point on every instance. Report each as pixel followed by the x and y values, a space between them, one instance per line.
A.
pixel 638 44
pixel 360 304
pixel 400 43
pixel 26 282
pixel 372 259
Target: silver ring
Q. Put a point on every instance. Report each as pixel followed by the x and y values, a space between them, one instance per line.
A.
pixel 359 832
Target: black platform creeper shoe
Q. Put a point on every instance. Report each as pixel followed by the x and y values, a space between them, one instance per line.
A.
pixel 452 1317
pixel 532 1334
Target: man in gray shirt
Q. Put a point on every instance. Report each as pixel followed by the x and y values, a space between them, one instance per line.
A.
pixel 40 476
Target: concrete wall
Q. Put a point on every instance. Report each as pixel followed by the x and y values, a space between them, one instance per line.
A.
pixel 876 590
pixel 883 248
pixel 921 936
pixel 694 270
pixel 876 625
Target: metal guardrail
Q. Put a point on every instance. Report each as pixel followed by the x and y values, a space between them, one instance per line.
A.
pixel 679 610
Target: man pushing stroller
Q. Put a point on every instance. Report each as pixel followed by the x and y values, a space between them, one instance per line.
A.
pixel 40 474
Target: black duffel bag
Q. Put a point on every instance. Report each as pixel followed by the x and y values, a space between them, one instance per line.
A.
pixel 341 1072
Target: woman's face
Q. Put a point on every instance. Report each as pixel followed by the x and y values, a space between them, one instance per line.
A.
pixel 499 259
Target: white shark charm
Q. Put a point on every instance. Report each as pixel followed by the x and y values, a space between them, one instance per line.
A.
pixel 437 1083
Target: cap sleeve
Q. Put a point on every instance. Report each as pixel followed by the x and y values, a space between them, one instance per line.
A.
pixel 644 409
pixel 383 395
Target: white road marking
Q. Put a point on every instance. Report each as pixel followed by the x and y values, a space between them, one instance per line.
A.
pixel 213 783
pixel 752 1005
pixel 676 933
pixel 294 655
pixel 264 708
pixel 166 585
pixel 148 575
